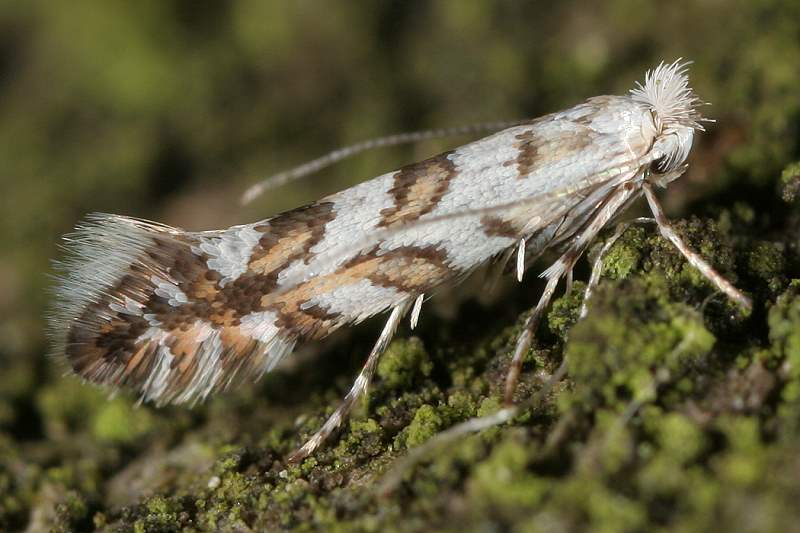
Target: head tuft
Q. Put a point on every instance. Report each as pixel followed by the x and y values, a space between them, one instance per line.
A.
pixel 667 93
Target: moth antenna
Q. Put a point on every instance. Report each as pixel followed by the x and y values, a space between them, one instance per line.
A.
pixel 334 156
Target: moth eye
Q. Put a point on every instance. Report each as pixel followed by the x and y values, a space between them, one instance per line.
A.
pixel 659 164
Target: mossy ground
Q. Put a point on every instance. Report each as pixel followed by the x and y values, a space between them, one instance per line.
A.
pixel 679 411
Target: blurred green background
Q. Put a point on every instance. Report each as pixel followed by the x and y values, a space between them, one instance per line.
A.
pixel 169 109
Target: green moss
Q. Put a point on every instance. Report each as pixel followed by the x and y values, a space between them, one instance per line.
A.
pixel 72 512
pixel 502 483
pixel 461 404
pixel 160 515
pixel 784 334
pixel 118 421
pixel 766 262
pixel 703 236
pixel 625 343
pixel 791 182
pixel 784 327
pixel 68 405
pixel 678 413
pixel 565 310
pixel 489 406
pixel 606 510
pixel 405 361
pixel 365 439
pixel 669 460
pixel 426 423
pixel 744 463
pixel 679 438
pixel 625 255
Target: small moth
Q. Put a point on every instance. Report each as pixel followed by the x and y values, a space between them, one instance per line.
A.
pixel 179 315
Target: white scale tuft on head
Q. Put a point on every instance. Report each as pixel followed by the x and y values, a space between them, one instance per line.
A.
pixel 667 93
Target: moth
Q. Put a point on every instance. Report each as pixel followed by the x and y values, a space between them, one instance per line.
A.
pixel 178 315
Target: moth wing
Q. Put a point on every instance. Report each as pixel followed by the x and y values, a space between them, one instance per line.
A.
pixel 516 183
pixel 178 315
pixel 138 306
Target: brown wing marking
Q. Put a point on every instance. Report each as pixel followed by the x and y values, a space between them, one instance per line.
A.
pixel 535 150
pixel 494 226
pixel 408 269
pixel 418 188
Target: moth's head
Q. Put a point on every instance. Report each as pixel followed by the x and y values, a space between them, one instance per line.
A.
pixel 673 108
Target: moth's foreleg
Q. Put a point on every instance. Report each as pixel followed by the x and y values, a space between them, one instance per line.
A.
pixel 597 266
pixel 359 387
pixel 697 261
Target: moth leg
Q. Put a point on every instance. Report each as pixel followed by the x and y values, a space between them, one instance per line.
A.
pixel 555 272
pixel 597 266
pixel 526 337
pixel 697 261
pixel 521 260
pixel 358 388
pixel 416 310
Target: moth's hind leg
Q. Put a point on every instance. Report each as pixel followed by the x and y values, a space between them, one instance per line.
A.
pixel 525 339
pixel 358 389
